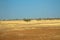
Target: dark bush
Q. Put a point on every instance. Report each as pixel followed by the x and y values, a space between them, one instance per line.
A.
pixel 27 20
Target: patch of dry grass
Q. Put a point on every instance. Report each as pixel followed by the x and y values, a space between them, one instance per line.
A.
pixel 32 30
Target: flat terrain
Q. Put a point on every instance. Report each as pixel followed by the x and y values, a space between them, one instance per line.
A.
pixel 33 30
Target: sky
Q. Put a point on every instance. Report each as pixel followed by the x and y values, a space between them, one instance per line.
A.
pixel 19 9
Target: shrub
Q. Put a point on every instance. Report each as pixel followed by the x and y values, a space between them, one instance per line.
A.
pixel 27 20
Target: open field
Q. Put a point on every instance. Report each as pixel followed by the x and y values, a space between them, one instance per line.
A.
pixel 32 30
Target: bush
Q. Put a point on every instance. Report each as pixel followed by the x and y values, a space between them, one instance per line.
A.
pixel 27 20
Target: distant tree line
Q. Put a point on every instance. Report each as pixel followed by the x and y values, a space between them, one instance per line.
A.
pixel 30 19
pixel 48 19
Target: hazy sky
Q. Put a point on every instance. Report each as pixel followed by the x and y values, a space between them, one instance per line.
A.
pixel 14 9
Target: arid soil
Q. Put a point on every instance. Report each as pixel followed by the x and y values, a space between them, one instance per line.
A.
pixel 45 31
pixel 34 34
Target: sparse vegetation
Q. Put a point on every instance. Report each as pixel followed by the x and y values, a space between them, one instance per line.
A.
pixel 20 30
pixel 27 20
pixel 48 19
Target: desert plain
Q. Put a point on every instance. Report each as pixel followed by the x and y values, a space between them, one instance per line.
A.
pixel 32 30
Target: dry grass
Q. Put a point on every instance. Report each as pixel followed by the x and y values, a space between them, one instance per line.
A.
pixel 33 30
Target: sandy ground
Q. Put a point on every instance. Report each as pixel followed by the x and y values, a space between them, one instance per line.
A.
pixel 33 30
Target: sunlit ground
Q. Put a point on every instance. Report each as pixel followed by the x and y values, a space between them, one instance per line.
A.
pixel 32 30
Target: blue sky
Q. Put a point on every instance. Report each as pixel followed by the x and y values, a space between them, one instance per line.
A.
pixel 17 9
